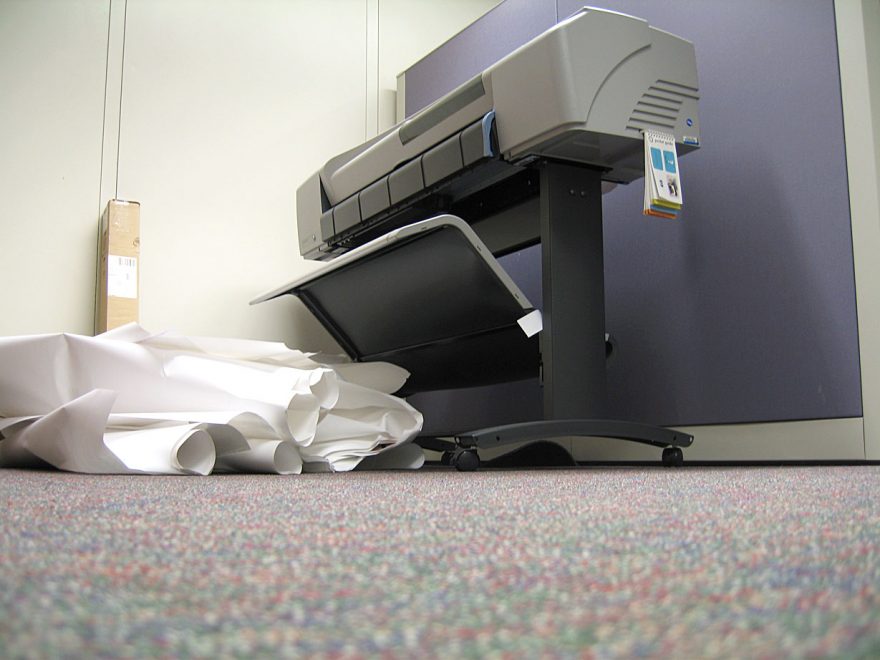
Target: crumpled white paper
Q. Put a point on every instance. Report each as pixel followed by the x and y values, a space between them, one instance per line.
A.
pixel 129 401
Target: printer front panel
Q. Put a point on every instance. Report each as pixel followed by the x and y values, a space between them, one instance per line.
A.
pixel 308 217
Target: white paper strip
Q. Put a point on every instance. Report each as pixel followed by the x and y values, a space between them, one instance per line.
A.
pixel 179 449
pixel 273 456
pixel 402 457
pixel 532 323
pixel 71 437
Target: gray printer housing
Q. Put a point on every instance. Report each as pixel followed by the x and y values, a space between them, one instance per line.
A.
pixel 583 92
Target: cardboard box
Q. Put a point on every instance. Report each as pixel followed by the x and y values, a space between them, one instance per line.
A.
pixel 118 272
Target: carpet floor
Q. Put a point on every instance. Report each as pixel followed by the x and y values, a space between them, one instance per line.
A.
pixel 590 562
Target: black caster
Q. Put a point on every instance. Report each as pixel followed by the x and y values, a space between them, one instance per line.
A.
pixel 446 458
pixel 673 457
pixel 466 461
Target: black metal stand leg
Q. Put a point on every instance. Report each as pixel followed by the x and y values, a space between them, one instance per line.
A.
pixel 573 279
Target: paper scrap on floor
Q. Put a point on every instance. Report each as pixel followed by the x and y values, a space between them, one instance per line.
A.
pixel 129 401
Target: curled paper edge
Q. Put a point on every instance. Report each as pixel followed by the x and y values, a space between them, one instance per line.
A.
pixel 178 449
pixel 271 456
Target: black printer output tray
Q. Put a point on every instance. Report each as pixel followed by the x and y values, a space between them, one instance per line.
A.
pixel 430 298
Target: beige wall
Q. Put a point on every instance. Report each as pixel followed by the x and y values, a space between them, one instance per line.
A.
pixel 409 30
pixel 226 107
pixel 216 112
pixel 52 61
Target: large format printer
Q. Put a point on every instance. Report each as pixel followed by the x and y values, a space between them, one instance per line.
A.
pixel 411 221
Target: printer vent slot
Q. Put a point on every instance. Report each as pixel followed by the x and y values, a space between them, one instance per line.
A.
pixel 654 114
pixel 639 125
pixel 685 91
pixel 659 107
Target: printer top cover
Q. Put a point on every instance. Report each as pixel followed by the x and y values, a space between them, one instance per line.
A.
pixel 583 91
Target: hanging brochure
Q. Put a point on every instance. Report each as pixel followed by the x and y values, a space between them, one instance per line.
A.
pixel 662 181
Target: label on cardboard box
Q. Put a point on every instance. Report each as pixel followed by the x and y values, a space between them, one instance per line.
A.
pixel 122 276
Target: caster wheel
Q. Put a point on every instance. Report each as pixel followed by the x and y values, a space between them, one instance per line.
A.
pixel 466 461
pixel 673 457
pixel 446 458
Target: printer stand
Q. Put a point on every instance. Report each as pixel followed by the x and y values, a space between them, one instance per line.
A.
pixel 573 350
pixel 449 314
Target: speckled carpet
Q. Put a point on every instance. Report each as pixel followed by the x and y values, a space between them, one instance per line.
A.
pixel 611 562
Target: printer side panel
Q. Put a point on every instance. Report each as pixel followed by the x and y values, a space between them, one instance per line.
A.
pixel 656 88
pixel 547 89
pixel 586 90
pixel 308 217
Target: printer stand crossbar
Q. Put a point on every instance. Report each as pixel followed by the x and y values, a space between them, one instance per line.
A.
pixel 461 451
pixel 497 436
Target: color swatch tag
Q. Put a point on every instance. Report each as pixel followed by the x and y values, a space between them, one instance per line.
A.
pixel 663 196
